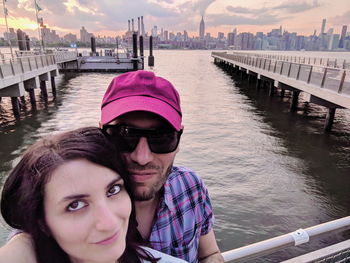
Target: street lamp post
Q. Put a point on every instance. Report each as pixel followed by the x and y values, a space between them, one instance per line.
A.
pixel 7 28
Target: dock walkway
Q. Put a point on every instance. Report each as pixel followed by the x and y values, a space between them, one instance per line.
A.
pixel 29 71
pixel 326 86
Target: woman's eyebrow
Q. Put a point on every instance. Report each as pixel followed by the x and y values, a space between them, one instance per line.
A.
pixel 81 196
pixel 72 197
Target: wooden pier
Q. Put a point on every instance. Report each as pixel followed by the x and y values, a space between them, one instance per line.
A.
pixel 325 86
pixel 28 72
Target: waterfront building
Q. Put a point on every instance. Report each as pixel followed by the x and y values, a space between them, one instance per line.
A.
pixel 343 35
pixel 11 35
pixel 230 39
pixel 85 36
pixel 201 29
pixel 71 38
pixel 166 35
pixel 154 31
pixel 323 27
pixel 49 36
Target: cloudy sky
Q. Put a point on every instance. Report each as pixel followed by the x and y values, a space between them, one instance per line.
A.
pixel 109 17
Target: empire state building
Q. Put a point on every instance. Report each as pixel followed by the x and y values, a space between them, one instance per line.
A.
pixel 201 29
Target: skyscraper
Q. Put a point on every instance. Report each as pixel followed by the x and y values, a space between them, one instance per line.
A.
pixel 201 29
pixel 342 36
pixel 323 26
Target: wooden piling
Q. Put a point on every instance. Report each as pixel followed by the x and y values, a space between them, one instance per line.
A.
pixel 150 57
pixel 32 98
pixel 295 97
pixel 134 51
pixel 15 106
pixel 329 119
pixel 43 89
pixel 141 51
pixel 258 83
pixel 53 86
pixel 271 89
pixel 282 93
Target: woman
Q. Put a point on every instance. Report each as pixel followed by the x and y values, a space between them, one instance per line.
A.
pixel 69 192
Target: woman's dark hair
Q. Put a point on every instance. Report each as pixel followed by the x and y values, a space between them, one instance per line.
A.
pixel 23 193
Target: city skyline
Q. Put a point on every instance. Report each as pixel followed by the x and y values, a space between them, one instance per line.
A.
pixel 109 18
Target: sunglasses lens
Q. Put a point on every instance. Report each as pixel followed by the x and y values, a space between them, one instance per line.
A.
pixel 165 143
pixel 123 142
pixel 127 138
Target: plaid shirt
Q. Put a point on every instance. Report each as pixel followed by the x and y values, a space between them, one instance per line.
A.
pixel 184 214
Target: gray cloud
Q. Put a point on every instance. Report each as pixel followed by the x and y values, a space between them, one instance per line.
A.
pixel 296 7
pixel 219 19
pixel 243 10
pixel 341 19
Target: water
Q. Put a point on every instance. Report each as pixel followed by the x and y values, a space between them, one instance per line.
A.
pixel 269 171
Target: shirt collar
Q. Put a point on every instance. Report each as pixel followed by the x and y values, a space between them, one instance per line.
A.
pixel 168 196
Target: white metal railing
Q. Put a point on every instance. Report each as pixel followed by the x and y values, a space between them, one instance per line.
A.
pixel 337 80
pixel 320 61
pixel 64 56
pixel 295 238
pixel 23 64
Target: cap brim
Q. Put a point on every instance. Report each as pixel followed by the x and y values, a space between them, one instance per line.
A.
pixel 121 106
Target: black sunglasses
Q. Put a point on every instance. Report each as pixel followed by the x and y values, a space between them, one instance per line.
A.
pixel 126 138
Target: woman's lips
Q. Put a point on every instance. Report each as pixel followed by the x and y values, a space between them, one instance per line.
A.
pixel 108 240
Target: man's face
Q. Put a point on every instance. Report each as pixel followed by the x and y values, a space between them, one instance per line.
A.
pixel 148 170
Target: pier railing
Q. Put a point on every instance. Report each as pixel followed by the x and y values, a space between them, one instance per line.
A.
pixel 317 61
pixel 24 64
pixel 337 80
pixel 295 238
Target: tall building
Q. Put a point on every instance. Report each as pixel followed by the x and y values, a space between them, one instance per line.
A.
pixel 155 31
pixel 201 29
pixel 231 39
pixel 84 35
pixel 342 36
pixel 323 26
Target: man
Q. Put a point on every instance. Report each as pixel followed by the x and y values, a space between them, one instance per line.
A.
pixel 141 112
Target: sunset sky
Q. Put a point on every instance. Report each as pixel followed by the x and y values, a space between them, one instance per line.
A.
pixel 109 17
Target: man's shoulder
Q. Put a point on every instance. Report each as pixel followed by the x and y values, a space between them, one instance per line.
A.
pixel 181 174
pixel 183 183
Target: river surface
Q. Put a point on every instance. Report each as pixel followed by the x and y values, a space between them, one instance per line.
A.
pixel 268 171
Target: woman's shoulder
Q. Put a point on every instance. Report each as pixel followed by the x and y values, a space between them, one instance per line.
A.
pixel 18 249
pixel 164 258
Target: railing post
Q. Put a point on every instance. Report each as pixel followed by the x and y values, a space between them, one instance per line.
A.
pixel 1 74
pixel 309 78
pixel 30 65
pixel 324 77
pixel 274 69
pixel 340 90
pixel 264 63
pixel 290 66
pixel 281 68
pixel 12 69
pixel 36 62
pixel 42 61
pixel 20 62
pixel 298 72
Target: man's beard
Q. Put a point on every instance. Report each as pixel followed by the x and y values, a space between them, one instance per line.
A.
pixel 153 190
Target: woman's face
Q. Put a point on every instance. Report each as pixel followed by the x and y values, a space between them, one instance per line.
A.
pixel 87 210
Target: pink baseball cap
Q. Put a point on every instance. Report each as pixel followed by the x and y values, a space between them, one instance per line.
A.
pixel 141 91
